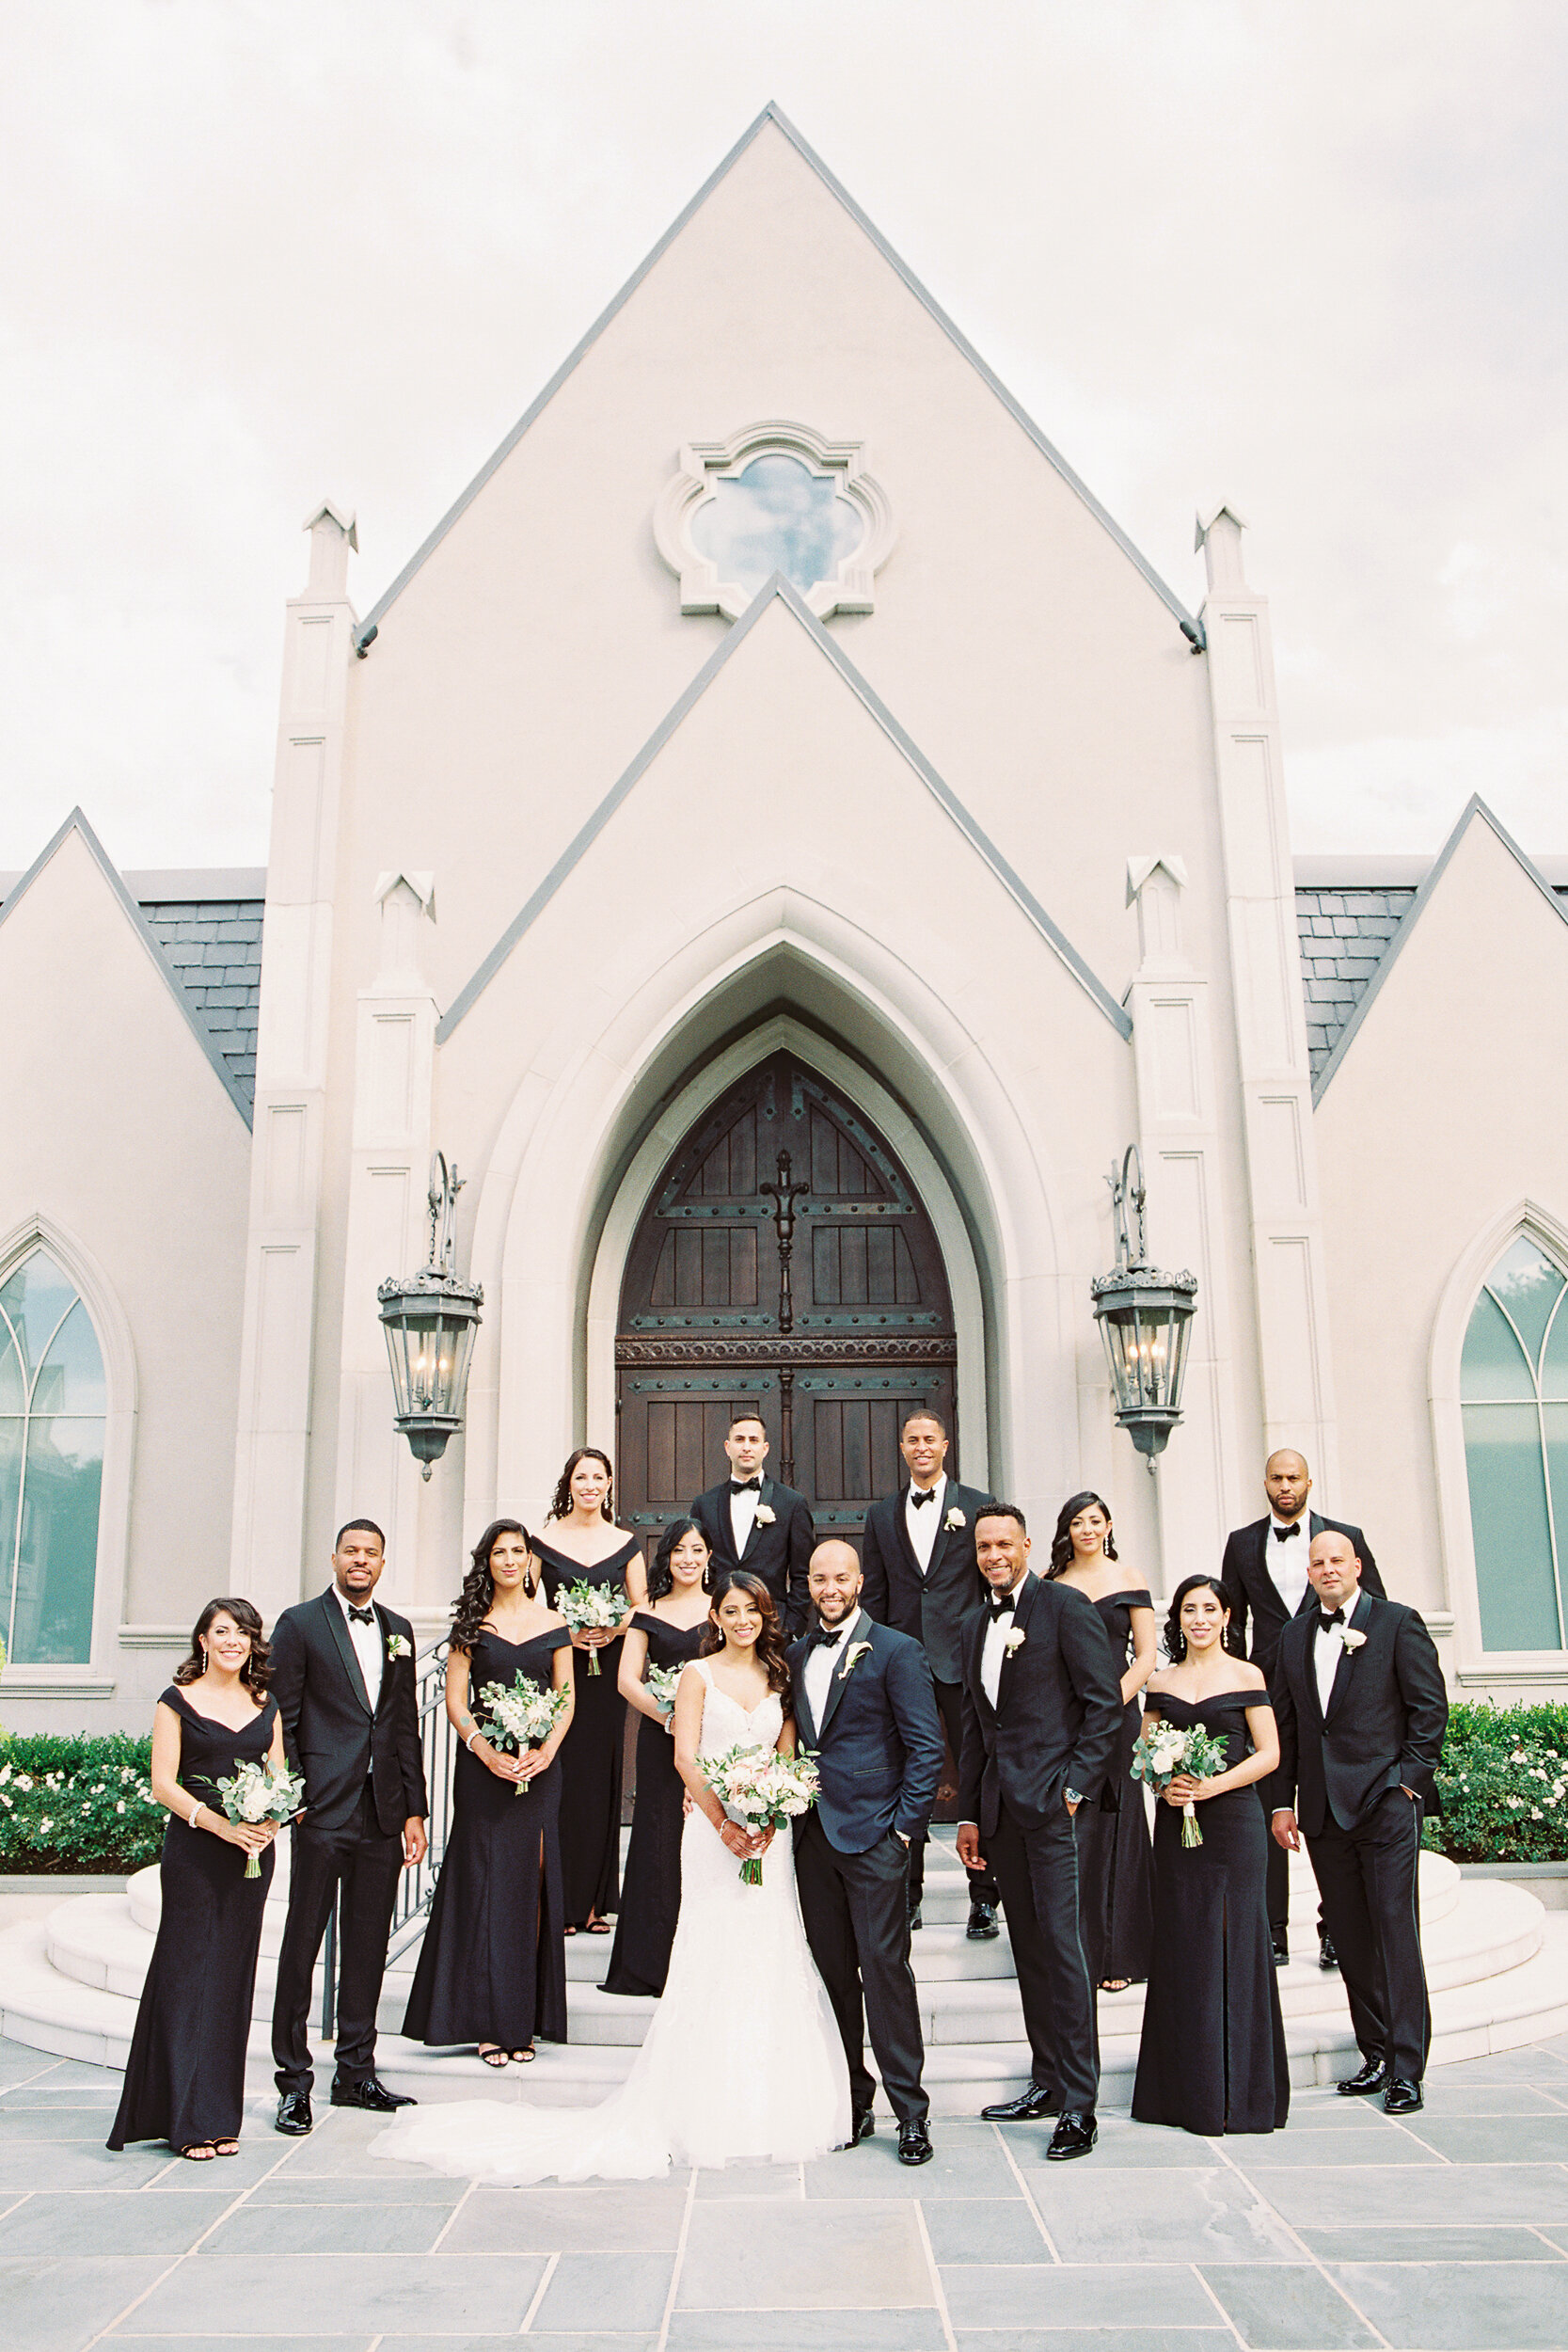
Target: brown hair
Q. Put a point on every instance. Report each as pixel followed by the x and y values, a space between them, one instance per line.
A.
pixel 561 1502
pixel 770 1643
pixel 257 1671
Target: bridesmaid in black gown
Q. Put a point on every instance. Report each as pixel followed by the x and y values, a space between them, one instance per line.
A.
pixel 492 1967
pixel 184 2079
pixel 669 1632
pixel 1084 1554
pixel 1213 2055
pixel 589 1548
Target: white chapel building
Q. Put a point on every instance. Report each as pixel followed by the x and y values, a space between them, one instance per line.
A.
pixel 776 751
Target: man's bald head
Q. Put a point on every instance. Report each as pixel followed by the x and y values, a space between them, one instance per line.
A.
pixel 1287 1482
pixel 1334 1569
pixel 834 1580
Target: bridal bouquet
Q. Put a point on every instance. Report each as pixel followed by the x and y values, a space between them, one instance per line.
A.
pixel 1163 1750
pixel 258 1792
pixel 664 1682
pixel 761 1790
pixel 588 1606
pixel 522 1717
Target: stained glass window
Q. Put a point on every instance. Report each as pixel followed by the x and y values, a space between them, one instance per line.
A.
pixel 52 1406
pixel 1513 1384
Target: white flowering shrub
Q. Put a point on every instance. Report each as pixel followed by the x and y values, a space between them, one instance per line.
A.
pixel 1503 1781
pixel 77 1804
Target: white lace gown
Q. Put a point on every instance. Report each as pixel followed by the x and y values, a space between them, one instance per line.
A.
pixel 742 2059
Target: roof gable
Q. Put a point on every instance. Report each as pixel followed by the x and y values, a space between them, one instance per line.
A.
pixel 773 117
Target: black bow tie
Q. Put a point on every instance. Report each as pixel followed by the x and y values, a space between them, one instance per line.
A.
pixel 1335 1617
pixel 745 1486
pixel 1003 1608
pixel 920 1496
pixel 1283 1534
pixel 822 1638
pixel 361 1616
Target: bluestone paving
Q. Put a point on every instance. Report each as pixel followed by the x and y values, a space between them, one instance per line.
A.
pixel 1296 2309
pixel 1478 2306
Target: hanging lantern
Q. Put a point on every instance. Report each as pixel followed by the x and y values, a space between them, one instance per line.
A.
pixel 430 1320
pixel 1144 1317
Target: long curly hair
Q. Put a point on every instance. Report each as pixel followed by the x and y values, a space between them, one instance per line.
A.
pixel 770 1642
pixel 661 1576
pixel 1061 1543
pixel 257 1671
pixel 560 1502
pixel 1175 1641
pixel 473 1603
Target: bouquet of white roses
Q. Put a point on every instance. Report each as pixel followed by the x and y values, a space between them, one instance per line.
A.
pixel 664 1682
pixel 522 1717
pixel 260 1792
pixel 761 1790
pixel 1163 1750
pixel 587 1607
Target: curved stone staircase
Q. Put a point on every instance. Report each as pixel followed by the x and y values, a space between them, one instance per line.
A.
pixel 69 1984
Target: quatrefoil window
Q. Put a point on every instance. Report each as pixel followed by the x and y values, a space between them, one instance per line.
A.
pixel 774 498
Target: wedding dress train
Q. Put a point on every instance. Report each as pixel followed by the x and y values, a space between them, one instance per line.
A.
pixel 742 2059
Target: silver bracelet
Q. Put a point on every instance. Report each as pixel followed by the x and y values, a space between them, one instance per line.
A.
pixel 469 1743
pixel 190 1817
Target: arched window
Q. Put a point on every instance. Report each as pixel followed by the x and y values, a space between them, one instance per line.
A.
pixel 1513 1386
pixel 52 1408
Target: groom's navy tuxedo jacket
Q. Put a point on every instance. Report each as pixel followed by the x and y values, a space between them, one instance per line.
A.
pixel 1382 1727
pixel 329 1732
pixel 879 1743
pixel 1057 1716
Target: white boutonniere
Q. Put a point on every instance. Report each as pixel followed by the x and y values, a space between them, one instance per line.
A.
pixel 852 1656
pixel 763 1516
pixel 1349 1640
pixel 955 1519
pixel 1015 1640
pixel 398 1648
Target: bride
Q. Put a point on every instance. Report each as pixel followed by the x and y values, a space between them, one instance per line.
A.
pixel 717 2078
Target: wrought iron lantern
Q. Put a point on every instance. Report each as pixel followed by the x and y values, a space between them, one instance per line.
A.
pixel 1144 1317
pixel 430 1319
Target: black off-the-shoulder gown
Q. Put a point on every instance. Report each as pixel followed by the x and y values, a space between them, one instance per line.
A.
pixel 1125 1892
pixel 651 1897
pixel 1213 2055
pixel 184 2079
pixel 492 1966
pixel 590 1757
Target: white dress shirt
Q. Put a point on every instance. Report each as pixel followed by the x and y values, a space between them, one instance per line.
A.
pixel 824 1661
pixel 925 1523
pixel 1287 1560
pixel 994 1648
pixel 1327 1651
pixel 367 1642
pixel 743 1512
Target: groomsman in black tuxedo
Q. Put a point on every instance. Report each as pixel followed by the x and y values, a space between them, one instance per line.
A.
pixel 863 1700
pixel 342 1674
pixel 1265 1574
pixel 1357 1694
pixel 751 1522
pixel 921 1575
pixel 1043 1716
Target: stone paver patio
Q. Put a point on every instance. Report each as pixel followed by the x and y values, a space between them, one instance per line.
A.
pixel 1448 2231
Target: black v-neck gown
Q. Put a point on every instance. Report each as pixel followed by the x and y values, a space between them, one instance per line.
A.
pixel 1124 1894
pixel 184 2079
pixel 1213 2055
pixel 651 1897
pixel 492 1966
pixel 590 1753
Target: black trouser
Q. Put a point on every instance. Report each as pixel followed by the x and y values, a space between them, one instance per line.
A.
pixel 365 1863
pixel 982 1883
pixel 856 1915
pixel 1040 1872
pixel 1367 1878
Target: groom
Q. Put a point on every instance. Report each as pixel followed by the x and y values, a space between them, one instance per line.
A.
pixel 864 1701
pixel 342 1674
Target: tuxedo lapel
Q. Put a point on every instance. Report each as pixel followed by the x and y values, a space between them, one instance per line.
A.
pixel 900 1510
pixel 385 1630
pixel 1029 1592
pixel 835 1686
pixel 336 1625
pixel 1308 1600
pixel 765 1495
pixel 1345 1669
pixel 804 1721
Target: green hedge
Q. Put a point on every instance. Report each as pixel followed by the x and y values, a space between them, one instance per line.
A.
pixel 1504 1784
pixel 77 1802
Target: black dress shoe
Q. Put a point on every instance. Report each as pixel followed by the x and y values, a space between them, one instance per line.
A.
pixel 861 2127
pixel 1402 2096
pixel 370 2094
pixel 914 2142
pixel 1074 2136
pixel 1026 2108
pixel 1327 1956
pixel 1281 1954
pixel 1372 2076
pixel 915 1919
pixel 294 2114
pixel 982 1927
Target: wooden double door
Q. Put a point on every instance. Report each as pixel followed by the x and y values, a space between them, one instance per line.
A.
pixel 784 1265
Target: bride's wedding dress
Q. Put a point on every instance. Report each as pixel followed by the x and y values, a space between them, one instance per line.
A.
pixel 742 2058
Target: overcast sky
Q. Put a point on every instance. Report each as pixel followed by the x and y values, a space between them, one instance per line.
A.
pixel 1306 257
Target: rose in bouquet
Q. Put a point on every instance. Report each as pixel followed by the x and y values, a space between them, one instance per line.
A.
pixel 664 1682
pixel 520 1717
pixel 260 1792
pixel 588 1609
pixel 1163 1750
pixel 759 1788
